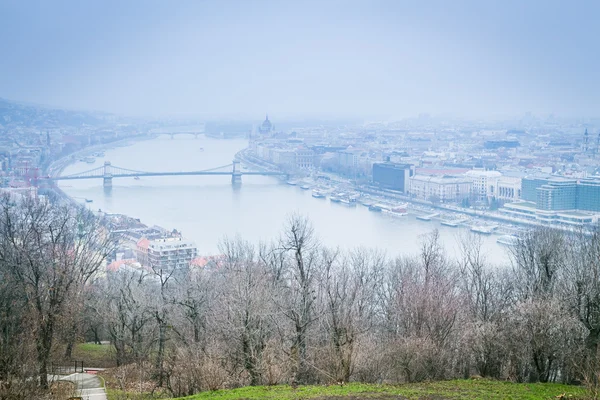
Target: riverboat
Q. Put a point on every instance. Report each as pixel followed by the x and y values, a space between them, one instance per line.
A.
pixel 508 240
pixel 317 194
pixel 399 210
pixel 483 229
pixel 375 208
pixel 348 201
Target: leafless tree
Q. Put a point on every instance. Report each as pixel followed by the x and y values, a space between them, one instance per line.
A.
pixel 246 308
pixel 350 285
pixel 538 259
pixel 300 253
pixel 127 314
pixel 51 251
pixel 581 291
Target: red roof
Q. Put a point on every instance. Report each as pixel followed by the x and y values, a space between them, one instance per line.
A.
pixel 143 243
pixel 115 265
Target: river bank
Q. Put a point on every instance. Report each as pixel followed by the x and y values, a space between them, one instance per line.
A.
pixel 56 167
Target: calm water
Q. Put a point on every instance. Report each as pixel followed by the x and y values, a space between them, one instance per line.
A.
pixel 207 208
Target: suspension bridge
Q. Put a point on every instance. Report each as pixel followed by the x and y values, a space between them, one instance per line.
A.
pixel 108 172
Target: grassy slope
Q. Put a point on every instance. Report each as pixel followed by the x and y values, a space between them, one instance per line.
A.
pixel 458 389
pixel 94 355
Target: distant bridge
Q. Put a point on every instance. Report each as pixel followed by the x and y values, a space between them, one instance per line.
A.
pixel 108 171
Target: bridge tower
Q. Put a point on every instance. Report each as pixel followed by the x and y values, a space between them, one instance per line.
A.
pixel 107 174
pixel 236 176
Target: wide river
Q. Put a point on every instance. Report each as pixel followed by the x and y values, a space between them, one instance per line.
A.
pixel 207 208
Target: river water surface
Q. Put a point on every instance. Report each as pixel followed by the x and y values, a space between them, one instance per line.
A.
pixel 207 208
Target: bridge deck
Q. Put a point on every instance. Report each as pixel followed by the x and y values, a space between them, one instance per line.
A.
pixel 141 174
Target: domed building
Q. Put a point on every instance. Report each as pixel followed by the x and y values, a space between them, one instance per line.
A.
pixel 266 127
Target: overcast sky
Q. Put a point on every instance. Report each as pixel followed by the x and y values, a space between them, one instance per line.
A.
pixel 341 58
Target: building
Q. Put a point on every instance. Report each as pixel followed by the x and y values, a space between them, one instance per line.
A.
pixel 588 195
pixel 528 210
pixel 283 157
pixel 508 188
pixel 498 144
pixel 348 159
pixel 266 127
pixel 443 189
pixel 557 194
pixel 304 158
pixel 484 183
pixel 529 186
pixel 393 176
pixel 167 253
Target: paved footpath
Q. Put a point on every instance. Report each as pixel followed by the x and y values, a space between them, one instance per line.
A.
pixel 89 386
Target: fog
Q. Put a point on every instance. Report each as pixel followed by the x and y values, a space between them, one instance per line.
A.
pixel 382 59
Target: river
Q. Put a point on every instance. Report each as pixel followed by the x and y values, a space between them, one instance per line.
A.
pixel 207 208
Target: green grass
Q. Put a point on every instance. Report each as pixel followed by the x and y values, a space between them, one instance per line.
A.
pixel 94 355
pixel 116 394
pixel 457 389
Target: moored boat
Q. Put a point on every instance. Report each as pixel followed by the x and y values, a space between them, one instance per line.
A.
pixel 335 199
pixel 452 224
pixel 317 194
pixel 348 201
pixel 508 240
pixel 483 229
pixel 398 210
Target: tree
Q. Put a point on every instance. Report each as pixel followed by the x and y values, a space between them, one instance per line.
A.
pixel 246 320
pixel 297 283
pixel 50 251
pixel 350 285
pixel 127 314
pixel 581 289
pixel 539 257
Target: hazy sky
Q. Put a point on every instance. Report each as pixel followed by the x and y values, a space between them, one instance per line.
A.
pixel 343 58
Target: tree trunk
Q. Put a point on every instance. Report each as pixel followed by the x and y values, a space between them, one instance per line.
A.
pixel 162 333
pixel 44 346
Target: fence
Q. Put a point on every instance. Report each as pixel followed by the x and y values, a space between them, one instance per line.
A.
pixel 62 369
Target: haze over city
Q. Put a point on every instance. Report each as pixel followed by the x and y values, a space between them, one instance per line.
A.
pixel 380 59
pixel 299 199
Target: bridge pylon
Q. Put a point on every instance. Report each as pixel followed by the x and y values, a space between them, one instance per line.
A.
pixel 236 175
pixel 107 174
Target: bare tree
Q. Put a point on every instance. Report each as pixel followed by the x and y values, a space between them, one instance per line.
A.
pixel 350 285
pixel 161 308
pixel 245 320
pixel 51 251
pixel 127 314
pixel 538 258
pixel 298 284
pixel 581 290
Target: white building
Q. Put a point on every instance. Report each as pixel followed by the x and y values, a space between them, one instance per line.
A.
pixel 349 158
pixel 484 183
pixel 508 188
pixel 304 158
pixel 283 157
pixel 170 253
pixel 444 188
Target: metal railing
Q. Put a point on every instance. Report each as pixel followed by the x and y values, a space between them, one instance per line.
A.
pixel 62 369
